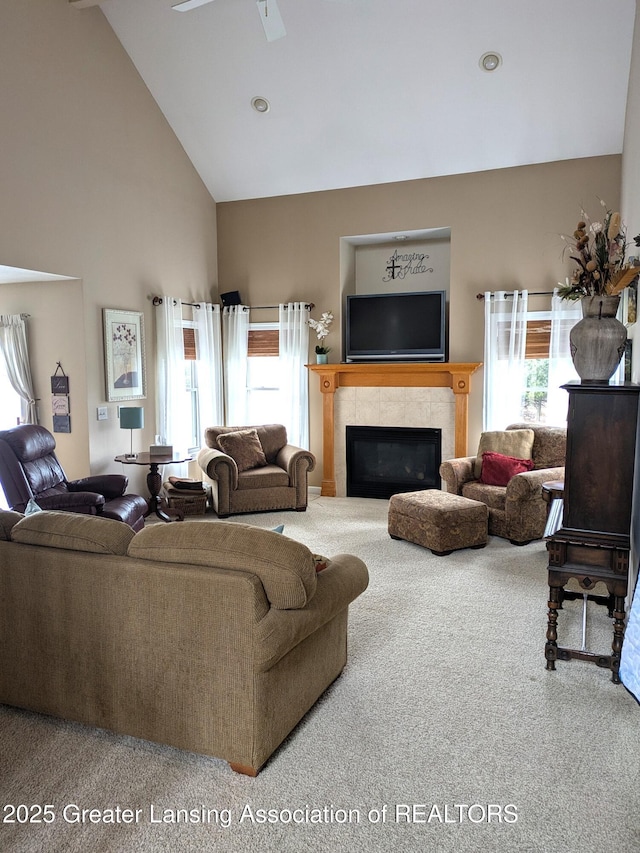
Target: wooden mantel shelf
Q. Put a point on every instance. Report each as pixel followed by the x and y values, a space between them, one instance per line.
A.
pixel 456 376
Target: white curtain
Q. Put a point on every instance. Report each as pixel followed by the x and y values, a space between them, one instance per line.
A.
pixel 208 325
pixel 294 382
pixel 235 338
pixel 172 425
pixel 13 346
pixel 505 337
pixel 565 313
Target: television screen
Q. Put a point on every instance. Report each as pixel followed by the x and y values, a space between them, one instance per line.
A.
pixel 396 326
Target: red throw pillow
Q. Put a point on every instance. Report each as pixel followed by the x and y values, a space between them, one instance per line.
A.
pixel 498 469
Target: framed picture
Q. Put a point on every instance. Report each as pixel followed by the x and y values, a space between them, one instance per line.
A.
pixel 125 370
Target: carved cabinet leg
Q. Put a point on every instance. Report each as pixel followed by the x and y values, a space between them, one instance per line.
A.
pixel 551 646
pixel 618 637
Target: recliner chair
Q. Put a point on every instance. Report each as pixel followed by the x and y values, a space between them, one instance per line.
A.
pixel 29 468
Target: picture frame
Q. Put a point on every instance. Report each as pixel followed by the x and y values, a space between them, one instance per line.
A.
pixel 124 355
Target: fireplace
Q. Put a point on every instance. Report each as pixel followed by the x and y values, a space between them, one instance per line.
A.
pixel 382 461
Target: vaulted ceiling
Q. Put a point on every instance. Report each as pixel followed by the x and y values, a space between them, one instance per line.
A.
pixel 373 91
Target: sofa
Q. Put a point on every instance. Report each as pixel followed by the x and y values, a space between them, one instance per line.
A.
pixel 29 469
pixel 213 637
pixel 517 510
pixel 254 469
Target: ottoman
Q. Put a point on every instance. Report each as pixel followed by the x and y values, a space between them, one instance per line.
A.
pixel 440 521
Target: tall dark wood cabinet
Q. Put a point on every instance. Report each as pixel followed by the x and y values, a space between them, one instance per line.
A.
pixel 594 540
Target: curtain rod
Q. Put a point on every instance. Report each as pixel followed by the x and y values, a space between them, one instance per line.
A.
pixel 531 293
pixel 308 305
pixel 157 300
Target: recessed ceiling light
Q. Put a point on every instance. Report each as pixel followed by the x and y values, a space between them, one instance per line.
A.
pixel 490 61
pixel 260 105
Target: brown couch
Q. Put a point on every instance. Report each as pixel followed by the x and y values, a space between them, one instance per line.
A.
pixel 280 484
pixel 517 511
pixel 211 637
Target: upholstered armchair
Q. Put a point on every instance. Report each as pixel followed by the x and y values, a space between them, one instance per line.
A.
pixel 517 510
pixel 253 469
pixel 29 468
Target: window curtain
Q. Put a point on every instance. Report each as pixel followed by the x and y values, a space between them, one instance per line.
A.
pixel 235 341
pixel 565 313
pixel 13 346
pixel 505 337
pixel 171 426
pixel 294 382
pixel 208 325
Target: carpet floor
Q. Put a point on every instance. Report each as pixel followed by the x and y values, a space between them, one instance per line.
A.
pixel 444 733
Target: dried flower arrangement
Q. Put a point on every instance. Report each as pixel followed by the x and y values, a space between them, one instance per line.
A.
pixel 599 250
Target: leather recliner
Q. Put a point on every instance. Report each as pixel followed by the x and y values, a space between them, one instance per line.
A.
pixel 29 468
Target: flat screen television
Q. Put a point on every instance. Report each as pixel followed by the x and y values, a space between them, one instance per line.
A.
pixel 396 326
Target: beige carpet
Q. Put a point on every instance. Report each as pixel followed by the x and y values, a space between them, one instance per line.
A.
pixel 444 733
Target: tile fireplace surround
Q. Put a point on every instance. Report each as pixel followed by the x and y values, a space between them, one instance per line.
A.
pixel 413 395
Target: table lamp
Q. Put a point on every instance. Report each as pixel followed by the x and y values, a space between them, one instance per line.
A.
pixel 131 417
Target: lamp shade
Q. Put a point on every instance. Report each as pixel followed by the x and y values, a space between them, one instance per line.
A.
pixel 131 417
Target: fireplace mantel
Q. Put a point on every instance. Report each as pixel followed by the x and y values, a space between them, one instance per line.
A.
pixel 456 376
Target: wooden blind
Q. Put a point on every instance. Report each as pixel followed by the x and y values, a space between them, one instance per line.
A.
pixel 538 338
pixel 263 342
pixel 189 341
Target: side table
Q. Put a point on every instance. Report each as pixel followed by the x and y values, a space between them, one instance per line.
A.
pixel 154 478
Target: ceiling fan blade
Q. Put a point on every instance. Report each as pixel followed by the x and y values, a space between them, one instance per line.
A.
pixel 271 19
pixel 186 5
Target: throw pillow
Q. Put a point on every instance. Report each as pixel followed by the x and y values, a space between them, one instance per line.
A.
pixel 320 562
pixel 244 448
pixel 498 469
pixel 510 442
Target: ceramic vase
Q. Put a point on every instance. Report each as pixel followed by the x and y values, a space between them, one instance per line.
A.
pixel 598 340
pixel 322 358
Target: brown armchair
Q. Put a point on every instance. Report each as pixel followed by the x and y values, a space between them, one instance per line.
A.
pixel 277 481
pixel 29 468
pixel 517 511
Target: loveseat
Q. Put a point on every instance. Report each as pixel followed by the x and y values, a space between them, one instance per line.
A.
pixel 253 469
pixel 517 510
pixel 213 637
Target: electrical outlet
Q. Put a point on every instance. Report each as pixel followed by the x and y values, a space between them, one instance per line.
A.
pixel 102 413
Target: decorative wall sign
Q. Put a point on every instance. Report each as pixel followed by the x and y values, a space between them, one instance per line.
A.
pixel 60 404
pixel 59 381
pixel 125 370
pixel 61 423
pixel 403 264
pixel 60 400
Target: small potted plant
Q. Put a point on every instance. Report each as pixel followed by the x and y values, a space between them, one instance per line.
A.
pixel 321 328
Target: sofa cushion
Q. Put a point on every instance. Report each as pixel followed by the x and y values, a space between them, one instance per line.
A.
pixel 498 469
pixel 74 532
pixel 8 519
pixel 286 568
pixel 244 448
pixel 514 442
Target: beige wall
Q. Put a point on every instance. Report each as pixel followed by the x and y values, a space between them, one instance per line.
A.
pixel 631 154
pixel 505 228
pixel 94 186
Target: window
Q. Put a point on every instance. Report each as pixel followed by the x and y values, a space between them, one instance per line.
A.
pixel 263 374
pixel 11 410
pixel 191 403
